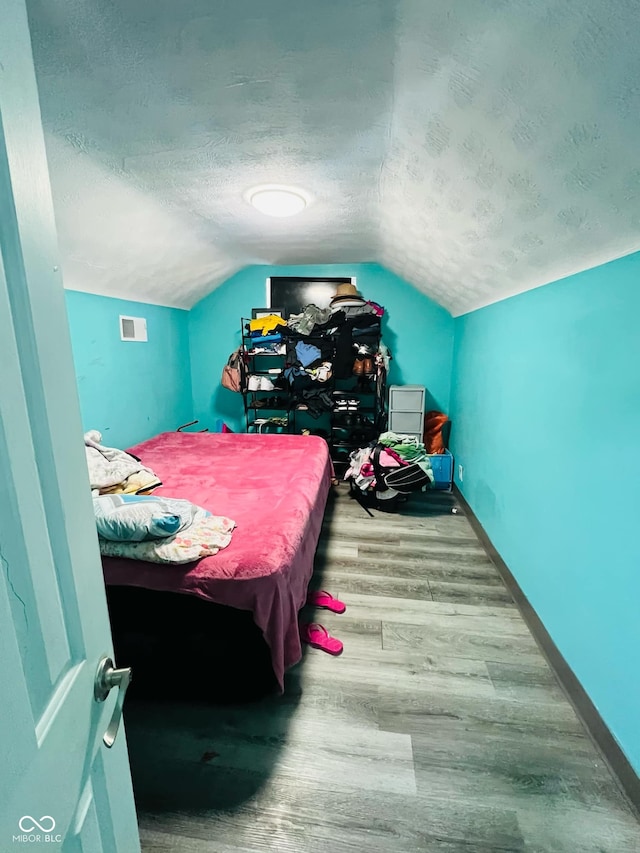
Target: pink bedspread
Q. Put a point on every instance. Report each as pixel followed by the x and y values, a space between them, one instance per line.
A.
pixel 275 488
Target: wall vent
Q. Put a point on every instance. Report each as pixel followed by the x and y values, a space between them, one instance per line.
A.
pixel 133 328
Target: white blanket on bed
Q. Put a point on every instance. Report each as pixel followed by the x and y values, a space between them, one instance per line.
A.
pixel 109 467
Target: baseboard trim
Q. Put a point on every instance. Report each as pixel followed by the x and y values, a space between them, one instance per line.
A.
pixel 597 729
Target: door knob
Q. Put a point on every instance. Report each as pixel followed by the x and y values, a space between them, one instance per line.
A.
pixel 108 677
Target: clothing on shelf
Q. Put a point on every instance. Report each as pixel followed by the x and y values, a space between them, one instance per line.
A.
pixel 307 353
pixel 378 309
pixel 266 325
pixel 328 367
pixel 315 402
pixel 258 338
pixel 320 374
pixel 310 317
pixel 383 356
pixel 268 349
pixel 357 310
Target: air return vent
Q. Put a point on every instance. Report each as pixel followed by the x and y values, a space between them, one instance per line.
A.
pixel 133 328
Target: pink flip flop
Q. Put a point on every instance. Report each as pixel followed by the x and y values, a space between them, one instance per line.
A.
pixel 318 637
pixel 326 600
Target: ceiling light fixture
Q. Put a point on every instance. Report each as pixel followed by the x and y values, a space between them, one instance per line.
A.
pixel 275 200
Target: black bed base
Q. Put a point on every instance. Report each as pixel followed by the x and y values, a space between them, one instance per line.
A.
pixel 182 647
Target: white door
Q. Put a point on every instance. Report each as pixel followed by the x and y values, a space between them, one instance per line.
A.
pixel 61 788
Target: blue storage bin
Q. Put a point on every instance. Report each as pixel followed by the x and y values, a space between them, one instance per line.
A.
pixel 442 467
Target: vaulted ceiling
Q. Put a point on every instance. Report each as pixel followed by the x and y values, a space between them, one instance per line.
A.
pixel 478 148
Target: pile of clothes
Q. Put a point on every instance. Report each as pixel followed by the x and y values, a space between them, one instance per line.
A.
pixel 151 528
pixel 309 368
pixel 320 346
pixel 408 447
pixel 309 319
pixel 391 466
pixel 113 471
pixel 341 340
pixel 266 331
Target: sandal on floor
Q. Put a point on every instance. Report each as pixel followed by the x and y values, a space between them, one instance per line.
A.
pixel 326 600
pixel 318 637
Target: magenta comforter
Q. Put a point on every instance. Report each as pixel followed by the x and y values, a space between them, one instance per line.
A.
pixel 275 488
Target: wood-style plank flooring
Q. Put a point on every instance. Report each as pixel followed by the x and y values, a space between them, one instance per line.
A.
pixel 440 728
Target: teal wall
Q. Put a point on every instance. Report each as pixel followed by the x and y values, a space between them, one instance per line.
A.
pixel 418 332
pixel 129 391
pixel 546 421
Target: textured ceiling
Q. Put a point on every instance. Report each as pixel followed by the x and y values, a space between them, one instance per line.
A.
pixel 478 149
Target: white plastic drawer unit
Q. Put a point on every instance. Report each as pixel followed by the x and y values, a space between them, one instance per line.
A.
pixel 406 422
pixel 417 435
pixel 407 398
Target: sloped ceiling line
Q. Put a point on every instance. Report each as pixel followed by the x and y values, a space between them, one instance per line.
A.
pixel 475 149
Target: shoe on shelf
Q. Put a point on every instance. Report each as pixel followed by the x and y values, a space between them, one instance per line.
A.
pixel 277 403
pixel 368 365
pixel 265 383
pixel 254 383
pixel 358 367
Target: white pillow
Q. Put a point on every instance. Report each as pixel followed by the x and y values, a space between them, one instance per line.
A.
pixel 138 518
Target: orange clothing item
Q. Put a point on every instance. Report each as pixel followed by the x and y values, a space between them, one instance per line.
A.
pixel 433 440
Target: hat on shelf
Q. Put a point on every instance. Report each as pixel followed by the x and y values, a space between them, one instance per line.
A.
pixel 347 295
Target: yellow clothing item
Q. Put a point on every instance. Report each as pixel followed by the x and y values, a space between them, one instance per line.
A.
pixel 266 324
pixel 138 483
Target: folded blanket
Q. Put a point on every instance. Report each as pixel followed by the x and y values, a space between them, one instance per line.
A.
pixel 203 538
pixel 114 471
pixel 409 448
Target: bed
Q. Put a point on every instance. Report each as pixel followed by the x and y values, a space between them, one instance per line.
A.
pixel 275 488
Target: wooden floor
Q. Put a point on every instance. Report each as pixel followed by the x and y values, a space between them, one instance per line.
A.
pixel 440 728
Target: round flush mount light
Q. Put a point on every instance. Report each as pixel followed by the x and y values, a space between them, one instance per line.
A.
pixel 276 200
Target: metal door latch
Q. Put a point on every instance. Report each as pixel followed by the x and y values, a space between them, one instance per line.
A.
pixel 108 677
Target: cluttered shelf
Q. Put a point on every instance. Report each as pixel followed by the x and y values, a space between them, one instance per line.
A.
pixel 326 363
pixel 323 372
